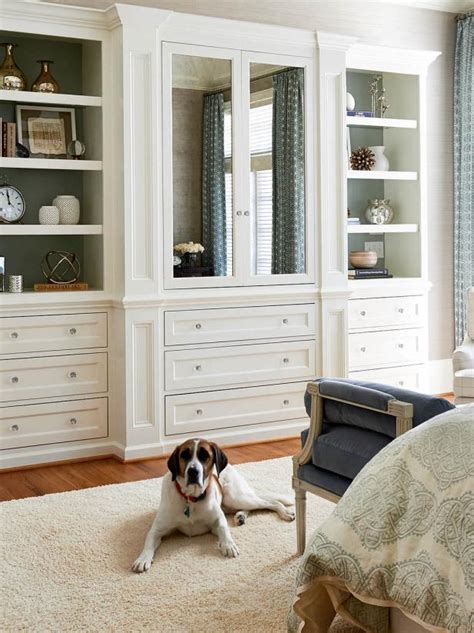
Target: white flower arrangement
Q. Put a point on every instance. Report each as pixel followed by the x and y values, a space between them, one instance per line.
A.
pixel 189 247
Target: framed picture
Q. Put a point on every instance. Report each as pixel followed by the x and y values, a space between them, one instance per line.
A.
pixel 46 132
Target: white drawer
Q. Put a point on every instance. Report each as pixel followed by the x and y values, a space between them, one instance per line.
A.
pixel 238 324
pixel 239 365
pixel 192 413
pixel 410 377
pixel 51 376
pixel 55 332
pixel 385 312
pixel 379 349
pixel 53 422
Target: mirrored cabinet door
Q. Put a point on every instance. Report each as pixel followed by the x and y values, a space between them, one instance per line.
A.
pixel 198 160
pixel 278 199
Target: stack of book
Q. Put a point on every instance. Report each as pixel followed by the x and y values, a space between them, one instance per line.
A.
pixel 369 273
pixel 353 221
pixel 8 144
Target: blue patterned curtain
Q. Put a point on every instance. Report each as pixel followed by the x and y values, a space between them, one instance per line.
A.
pixel 213 185
pixel 463 170
pixel 288 243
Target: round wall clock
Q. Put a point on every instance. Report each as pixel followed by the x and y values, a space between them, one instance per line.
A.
pixel 12 204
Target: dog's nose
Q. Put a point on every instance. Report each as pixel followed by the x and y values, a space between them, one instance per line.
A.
pixel 193 475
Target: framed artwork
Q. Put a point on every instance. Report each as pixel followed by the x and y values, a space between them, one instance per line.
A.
pixel 45 131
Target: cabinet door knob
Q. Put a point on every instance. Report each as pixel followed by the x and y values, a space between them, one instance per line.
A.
pixel 14 335
pixel 73 421
pixel 72 331
pixel 401 383
pixel 400 345
pixel 401 310
pixel 285 321
pixel 286 402
pixel 198 367
pixel 14 427
pixel 72 374
pixel 362 349
pixel 198 326
pixel 198 411
pixel 246 212
pixel 286 360
pixel 14 380
pixel 239 213
pixel 363 313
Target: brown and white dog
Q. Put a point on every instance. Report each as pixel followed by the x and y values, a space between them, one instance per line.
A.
pixel 200 487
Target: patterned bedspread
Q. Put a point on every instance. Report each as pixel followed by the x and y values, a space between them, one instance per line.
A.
pixel 402 535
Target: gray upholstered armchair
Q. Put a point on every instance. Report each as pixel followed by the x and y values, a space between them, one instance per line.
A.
pixel 351 421
pixel 463 359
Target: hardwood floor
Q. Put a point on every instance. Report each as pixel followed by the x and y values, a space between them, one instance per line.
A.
pixel 64 477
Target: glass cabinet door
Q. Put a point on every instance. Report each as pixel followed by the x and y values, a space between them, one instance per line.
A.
pixel 277 110
pixel 198 164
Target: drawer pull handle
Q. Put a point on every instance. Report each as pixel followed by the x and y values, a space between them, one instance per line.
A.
pixel 400 345
pixel 198 367
pixel 363 313
pixel 73 421
pixel 15 380
pixel 198 326
pixel 401 310
pixel 286 402
pixel 362 349
pixel 72 331
pixel 285 321
pixel 14 335
pixel 198 411
pixel 286 360
pixel 14 427
pixel 72 374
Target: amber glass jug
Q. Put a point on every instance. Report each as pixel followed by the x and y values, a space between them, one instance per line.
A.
pixel 11 77
pixel 45 82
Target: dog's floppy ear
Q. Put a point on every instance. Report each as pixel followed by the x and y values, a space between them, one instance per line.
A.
pixel 220 458
pixel 173 463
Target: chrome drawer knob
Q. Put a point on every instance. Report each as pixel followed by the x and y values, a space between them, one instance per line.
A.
pixel 72 374
pixel 239 213
pixel 14 379
pixel 286 360
pixel 14 427
pixel 73 421
pixel 14 335
pixel 400 345
pixel 246 212
pixel 198 326
pixel 198 411
pixel 363 313
pixel 285 321
pixel 72 331
pixel 362 349
pixel 198 367
pixel 286 402
pixel 401 310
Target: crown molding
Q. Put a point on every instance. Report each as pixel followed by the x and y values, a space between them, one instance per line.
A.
pixel 334 41
pixel 385 59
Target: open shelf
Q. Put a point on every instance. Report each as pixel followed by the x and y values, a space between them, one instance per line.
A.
pixel 361 121
pixel 51 229
pixel 51 163
pixel 382 228
pixel 60 99
pixel 382 175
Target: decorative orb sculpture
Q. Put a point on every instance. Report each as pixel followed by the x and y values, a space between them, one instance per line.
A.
pixel 76 149
pixel 61 267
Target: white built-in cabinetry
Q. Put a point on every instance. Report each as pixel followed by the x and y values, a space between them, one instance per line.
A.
pixel 146 357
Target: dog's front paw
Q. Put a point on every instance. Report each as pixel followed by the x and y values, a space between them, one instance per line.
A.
pixel 143 563
pixel 287 515
pixel 229 549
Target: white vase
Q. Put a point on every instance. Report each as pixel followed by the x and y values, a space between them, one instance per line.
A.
pixel 48 215
pixel 381 161
pixel 69 209
pixel 350 102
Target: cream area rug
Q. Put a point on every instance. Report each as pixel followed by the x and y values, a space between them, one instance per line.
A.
pixel 66 564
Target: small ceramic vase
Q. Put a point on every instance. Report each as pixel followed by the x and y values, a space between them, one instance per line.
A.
pixel 69 209
pixel 381 161
pixel 350 102
pixel 11 77
pixel 49 215
pixel 45 82
pixel 379 211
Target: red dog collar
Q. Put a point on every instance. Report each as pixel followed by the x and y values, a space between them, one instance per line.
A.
pixel 189 498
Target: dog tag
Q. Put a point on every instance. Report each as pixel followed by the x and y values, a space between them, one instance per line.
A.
pixel 187 510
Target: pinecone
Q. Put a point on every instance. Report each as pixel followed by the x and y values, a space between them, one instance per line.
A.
pixel 362 159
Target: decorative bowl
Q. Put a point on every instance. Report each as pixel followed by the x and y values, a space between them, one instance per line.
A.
pixel 363 259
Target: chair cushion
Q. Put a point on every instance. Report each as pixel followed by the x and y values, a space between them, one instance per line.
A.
pixel 425 407
pixel 324 479
pixel 345 450
pixel 463 383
